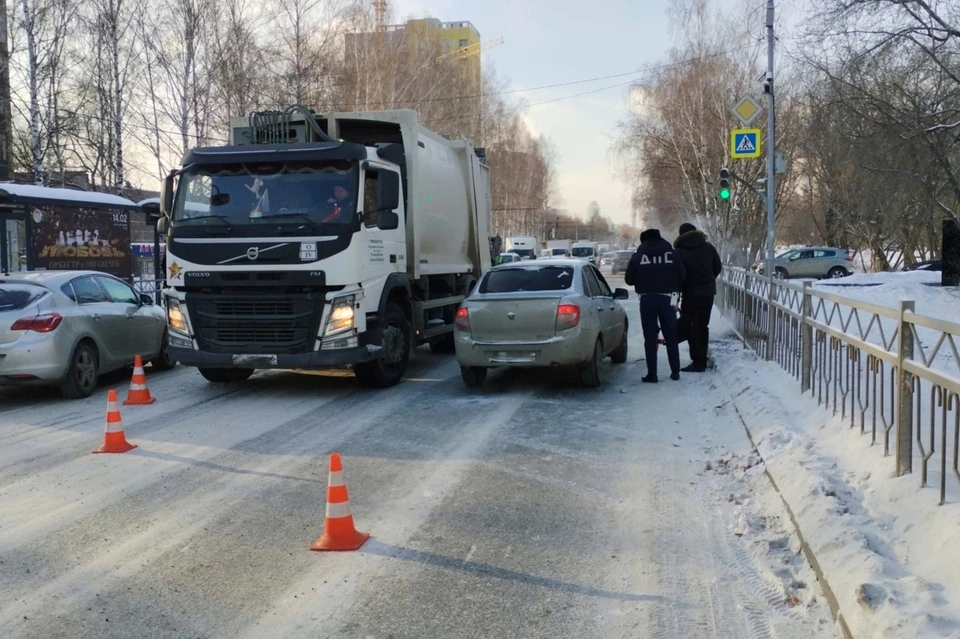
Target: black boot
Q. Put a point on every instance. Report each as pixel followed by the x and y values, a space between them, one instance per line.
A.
pixel 650 379
pixel 675 377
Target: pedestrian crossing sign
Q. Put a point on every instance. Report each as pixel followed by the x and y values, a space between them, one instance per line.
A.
pixel 744 143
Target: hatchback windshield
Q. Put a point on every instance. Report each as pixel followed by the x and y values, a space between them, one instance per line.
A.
pixel 315 193
pixel 16 297
pixel 513 280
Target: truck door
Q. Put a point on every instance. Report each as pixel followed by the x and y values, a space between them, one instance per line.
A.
pixel 383 252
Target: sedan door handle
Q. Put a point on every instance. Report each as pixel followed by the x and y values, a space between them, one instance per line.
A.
pixel 95 316
pixel 129 317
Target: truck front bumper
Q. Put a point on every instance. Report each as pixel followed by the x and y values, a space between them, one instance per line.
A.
pixel 338 358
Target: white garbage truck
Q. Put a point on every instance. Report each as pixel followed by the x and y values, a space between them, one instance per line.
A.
pixel 526 247
pixel 341 240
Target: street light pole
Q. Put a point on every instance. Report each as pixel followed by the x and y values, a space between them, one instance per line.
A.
pixel 768 87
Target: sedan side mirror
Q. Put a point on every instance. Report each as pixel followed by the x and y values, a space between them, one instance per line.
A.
pixel 621 294
pixel 145 299
pixel 387 220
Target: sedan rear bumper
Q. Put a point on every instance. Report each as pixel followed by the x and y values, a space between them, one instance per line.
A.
pixel 572 348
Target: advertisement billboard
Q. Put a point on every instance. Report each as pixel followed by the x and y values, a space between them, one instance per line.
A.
pixel 75 238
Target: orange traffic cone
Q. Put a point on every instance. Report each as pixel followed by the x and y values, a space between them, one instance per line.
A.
pixel 114 441
pixel 139 394
pixel 338 530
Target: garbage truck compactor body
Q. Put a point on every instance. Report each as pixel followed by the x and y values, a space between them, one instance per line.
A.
pixel 322 241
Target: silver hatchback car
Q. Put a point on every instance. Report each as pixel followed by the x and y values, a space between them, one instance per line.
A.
pixel 812 261
pixel 559 312
pixel 70 327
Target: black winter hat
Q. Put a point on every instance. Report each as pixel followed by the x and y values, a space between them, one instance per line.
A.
pixel 687 227
pixel 649 235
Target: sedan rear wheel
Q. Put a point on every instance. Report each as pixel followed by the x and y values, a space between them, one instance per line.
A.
pixel 473 376
pixel 83 373
pixel 590 371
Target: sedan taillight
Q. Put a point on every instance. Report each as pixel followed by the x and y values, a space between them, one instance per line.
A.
pixel 462 322
pixel 568 316
pixel 38 324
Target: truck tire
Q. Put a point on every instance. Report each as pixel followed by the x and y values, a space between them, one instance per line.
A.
pixel 82 375
pixel 388 369
pixel 226 375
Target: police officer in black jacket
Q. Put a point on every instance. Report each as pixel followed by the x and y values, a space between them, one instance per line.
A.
pixel 703 266
pixel 657 274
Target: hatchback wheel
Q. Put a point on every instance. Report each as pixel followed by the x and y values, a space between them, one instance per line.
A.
pixel 83 373
pixel 590 371
pixel 163 362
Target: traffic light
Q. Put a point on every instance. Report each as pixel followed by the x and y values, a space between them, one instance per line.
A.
pixel 724 190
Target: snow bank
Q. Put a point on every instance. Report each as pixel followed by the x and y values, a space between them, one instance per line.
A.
pixel 886 549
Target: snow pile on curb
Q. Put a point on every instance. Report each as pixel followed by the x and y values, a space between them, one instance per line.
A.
pixel 888 553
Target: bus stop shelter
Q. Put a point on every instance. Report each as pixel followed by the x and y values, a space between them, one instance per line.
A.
pixel 48 228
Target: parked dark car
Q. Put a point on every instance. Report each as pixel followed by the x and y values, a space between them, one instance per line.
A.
pixel 929 265
pixel 620 261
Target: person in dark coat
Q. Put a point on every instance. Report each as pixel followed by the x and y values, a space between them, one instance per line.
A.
pixel 699 289
pixel 657 274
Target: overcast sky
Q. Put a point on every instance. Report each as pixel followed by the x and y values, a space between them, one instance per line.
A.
pixel 556 41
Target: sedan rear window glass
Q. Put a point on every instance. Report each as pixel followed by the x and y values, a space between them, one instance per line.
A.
pixel 16 297
pixel 543 278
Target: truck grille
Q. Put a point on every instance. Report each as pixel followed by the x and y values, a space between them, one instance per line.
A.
pixel 255 325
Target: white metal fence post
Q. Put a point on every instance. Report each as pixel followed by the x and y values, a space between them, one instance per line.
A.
pixel 905 392
pixel 806 341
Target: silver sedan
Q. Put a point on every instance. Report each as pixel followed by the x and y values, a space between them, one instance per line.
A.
pixel 70 327
pixel 559 312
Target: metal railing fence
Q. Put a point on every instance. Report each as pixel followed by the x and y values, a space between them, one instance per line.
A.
pixel 893 374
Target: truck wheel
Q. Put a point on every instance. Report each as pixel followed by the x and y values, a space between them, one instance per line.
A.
pixel 388 369
pixel 590 371
pixel 226 375
pixel 473 376
pixel 82 375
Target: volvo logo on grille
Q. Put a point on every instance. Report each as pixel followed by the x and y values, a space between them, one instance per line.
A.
pixel 253 253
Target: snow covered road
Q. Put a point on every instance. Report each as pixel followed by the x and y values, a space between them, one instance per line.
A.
pixel 530 508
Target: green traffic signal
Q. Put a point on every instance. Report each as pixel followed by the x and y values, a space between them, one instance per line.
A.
pixel 724 191
pixel 724 194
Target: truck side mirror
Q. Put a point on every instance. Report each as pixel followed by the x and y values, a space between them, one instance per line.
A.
pixel 162 225
pixel 166 195
pixel 388 192
pixel 387 220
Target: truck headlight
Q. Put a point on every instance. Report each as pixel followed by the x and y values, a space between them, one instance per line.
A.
pixel 341 315
pixel 175 316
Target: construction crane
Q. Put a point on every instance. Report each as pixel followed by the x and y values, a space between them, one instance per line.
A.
pixel 380 10
pixel 468 52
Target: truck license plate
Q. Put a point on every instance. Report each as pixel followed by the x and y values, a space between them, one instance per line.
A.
pixel 253 360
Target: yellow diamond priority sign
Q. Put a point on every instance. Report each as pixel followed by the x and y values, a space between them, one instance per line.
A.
pixel 747 110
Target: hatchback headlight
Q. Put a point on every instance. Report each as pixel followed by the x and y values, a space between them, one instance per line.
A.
pixel 341 315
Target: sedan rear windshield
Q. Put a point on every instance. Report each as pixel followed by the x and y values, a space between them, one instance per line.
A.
pixel 513 280
pixel 16 297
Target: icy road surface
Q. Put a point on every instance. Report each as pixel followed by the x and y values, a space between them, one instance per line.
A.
pixel 531 508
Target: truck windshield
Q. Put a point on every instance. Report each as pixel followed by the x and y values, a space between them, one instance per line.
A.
pixel 582 251
pixel 318 194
